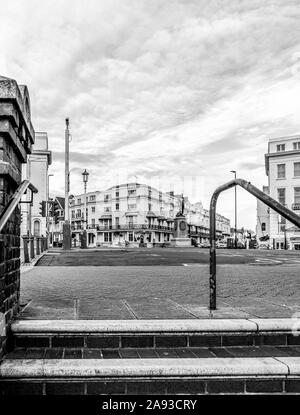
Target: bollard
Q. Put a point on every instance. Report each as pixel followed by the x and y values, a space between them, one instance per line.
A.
pixel 25 246
pixel 38 245
pixel 31 241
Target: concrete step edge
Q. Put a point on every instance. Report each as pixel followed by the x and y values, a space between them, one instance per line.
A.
pixel 156 326
pixel 98 368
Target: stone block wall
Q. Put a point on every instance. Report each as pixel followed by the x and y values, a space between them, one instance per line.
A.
pixel 16 139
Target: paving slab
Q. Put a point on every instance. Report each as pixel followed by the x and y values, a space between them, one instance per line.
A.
pixel 160 292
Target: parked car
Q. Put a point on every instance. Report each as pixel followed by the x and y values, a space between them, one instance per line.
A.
pixel 204 245
pixel 221 244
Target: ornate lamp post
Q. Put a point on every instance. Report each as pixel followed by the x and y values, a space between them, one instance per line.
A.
pixel 85 177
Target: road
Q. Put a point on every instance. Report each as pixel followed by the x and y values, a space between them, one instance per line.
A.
pixel 165 256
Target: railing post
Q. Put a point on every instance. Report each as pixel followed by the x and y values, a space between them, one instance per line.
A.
pixel 25 246
pixel 31 241
pixel 38 245
pixel 212 257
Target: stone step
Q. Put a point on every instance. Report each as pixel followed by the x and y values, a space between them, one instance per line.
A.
pixel 162 376
pixel 115 334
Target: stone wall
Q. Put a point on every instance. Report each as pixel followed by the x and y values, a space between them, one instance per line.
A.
pixel 16 139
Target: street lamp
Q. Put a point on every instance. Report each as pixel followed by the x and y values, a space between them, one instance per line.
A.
pixel 235 211
pixel 48 210
pixel 85 177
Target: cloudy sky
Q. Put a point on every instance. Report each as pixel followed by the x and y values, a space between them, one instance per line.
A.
pixel 174 93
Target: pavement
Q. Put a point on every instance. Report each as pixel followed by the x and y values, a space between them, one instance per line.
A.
pixel 161 284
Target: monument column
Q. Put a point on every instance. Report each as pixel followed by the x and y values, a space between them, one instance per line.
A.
pixel 180 238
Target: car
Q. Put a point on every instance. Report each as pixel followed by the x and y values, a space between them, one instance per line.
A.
pixel 204 245
pixel 221 244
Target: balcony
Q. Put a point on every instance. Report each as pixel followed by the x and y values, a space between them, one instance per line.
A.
pixel 133 226
pixel 296 206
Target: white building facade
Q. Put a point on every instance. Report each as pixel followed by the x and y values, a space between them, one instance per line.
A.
pixel 36 171
pixel 135 215
pixel 282 164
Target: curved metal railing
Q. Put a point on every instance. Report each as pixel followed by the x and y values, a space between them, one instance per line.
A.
pixel 269 201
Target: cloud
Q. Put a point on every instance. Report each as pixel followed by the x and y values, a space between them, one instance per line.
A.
pixel 158 89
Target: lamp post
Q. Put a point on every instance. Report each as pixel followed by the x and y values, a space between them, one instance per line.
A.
pixel 48 210
pixel 66 225
pixel 235 212
pixel 85 177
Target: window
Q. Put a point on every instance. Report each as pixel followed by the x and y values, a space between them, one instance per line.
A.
pixel 263 226
pixel 296 145
pixel 78 214
pixel 149 207
pixel 78 201
pixel 297 169
pixel 117 194
pixel 93 209
pixel 131 192
pixel 130 237
pixel 36 228
pixel 117 221
pixel 93 222
pixel 281 196
pixel 131 206
pixel 117 206
pixel 107 237
pixel 280 171
pixel 280 147
pixel 107 209
pixel 297 195
pixel 73 214
pixel 92 198
pixel 106 198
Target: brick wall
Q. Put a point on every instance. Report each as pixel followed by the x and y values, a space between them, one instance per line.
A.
pixel 16 139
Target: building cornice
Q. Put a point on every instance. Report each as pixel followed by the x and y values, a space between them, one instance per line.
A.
pixel 279 154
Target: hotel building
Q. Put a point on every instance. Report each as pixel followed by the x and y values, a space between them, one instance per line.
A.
pixel 282 164
pixel 135 215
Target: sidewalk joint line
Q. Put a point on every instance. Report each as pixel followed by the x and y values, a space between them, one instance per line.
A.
pixel 130 309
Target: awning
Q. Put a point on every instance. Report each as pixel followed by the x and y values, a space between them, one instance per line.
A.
pixel 105 217
pixel 151 215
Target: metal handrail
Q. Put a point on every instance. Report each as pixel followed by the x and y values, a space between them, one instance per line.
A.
pixel 269 201
pixel 14 201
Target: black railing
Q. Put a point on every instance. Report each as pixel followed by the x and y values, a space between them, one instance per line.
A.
pixel 15 200
pixel 269 201
pixel 33 245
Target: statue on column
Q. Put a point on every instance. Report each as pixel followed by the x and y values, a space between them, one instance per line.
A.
pixel 181 210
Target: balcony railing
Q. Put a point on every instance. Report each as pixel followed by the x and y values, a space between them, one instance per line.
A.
pixel 296 206
pixel 132 226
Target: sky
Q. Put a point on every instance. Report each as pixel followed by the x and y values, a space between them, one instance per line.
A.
pixel 171 93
